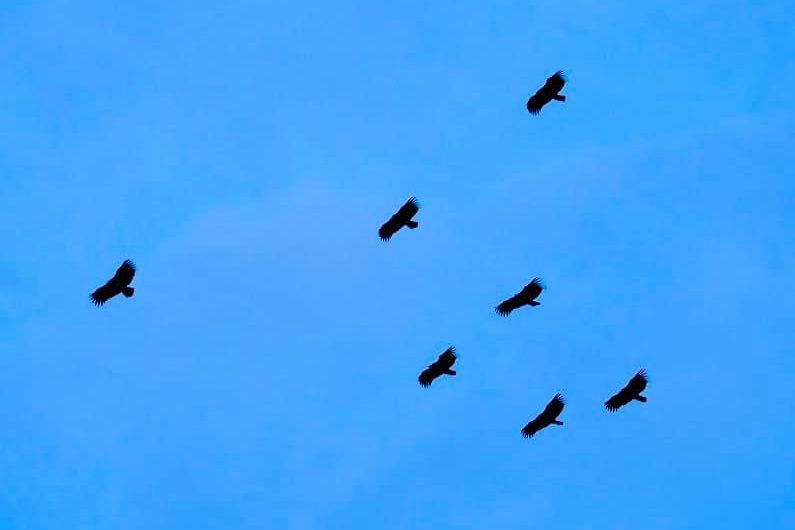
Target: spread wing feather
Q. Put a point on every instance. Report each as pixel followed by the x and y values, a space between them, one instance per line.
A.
pixel 507 306
pixel 533 289
pixel 125 273
pixel 103 294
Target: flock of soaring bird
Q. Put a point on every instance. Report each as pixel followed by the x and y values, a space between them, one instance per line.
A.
pixel 120 284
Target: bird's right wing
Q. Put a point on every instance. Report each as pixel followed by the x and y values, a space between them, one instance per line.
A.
pixel 427 376
pixel 506 306
pixel 537 102
pixel 103 294
pixel 388 229
pixel 617 401
pixel 533 426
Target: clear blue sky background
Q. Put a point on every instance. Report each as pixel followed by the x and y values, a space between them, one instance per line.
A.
pixel 264 376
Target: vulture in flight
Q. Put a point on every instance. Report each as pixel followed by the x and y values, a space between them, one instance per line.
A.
pixel 548 92
pixel 442 366
pixel 401 218
pixel 120 283
pixel 527 296
pixel 630 392
pixel 548 417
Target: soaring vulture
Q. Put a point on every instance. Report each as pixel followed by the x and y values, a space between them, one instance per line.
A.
pixel 401 218
pixel 527 296
pixel 548 417
pixel 547 93
pixel 630 392
pixel 120 283
pixel 439 367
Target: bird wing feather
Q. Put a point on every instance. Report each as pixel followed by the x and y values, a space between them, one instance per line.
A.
pixel 124 274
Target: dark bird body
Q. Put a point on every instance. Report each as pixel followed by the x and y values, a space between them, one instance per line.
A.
pixel 548 417
pixel 631 392
pixel 527 296
pixel 119 284
pixel 401 218
pixel 548 92
pixel 442 366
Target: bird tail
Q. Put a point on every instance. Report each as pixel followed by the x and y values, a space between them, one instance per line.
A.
pixel 450 372
pixel 642 399
pixel 534 303
pixel 127 291
pixel 558 97
pixel 412 224
pixel 556 422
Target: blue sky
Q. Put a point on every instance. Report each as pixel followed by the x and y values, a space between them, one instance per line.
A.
pixel 264 375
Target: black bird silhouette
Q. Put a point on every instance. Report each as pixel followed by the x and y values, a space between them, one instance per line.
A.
pixel 629 393
pixel 120 283
pixel 548 417
pixel 547 93
pixel 401 218
pixel 439 367
pixel 526 296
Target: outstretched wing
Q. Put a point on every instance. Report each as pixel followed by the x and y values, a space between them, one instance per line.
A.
pixel 399 219
pixel 408 210
pixel 544 95
pixel 507 306
pixel 124 274
pixel 537 102
pixel 533 289
pixel 638 382
pixel 635 386
pixel 555 82
pixel 447 359
pixel 554 408
pixel 428 375
pixel 533 426
pixel 104 293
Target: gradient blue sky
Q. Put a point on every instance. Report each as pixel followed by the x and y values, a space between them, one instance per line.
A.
pixel 264 376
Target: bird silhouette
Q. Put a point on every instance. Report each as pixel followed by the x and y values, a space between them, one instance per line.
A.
pixel 442 366
pixel 120 283
pixel 400 219
pixel 548 92
pixel 549 416
pixel 527 296
pixel 631 392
